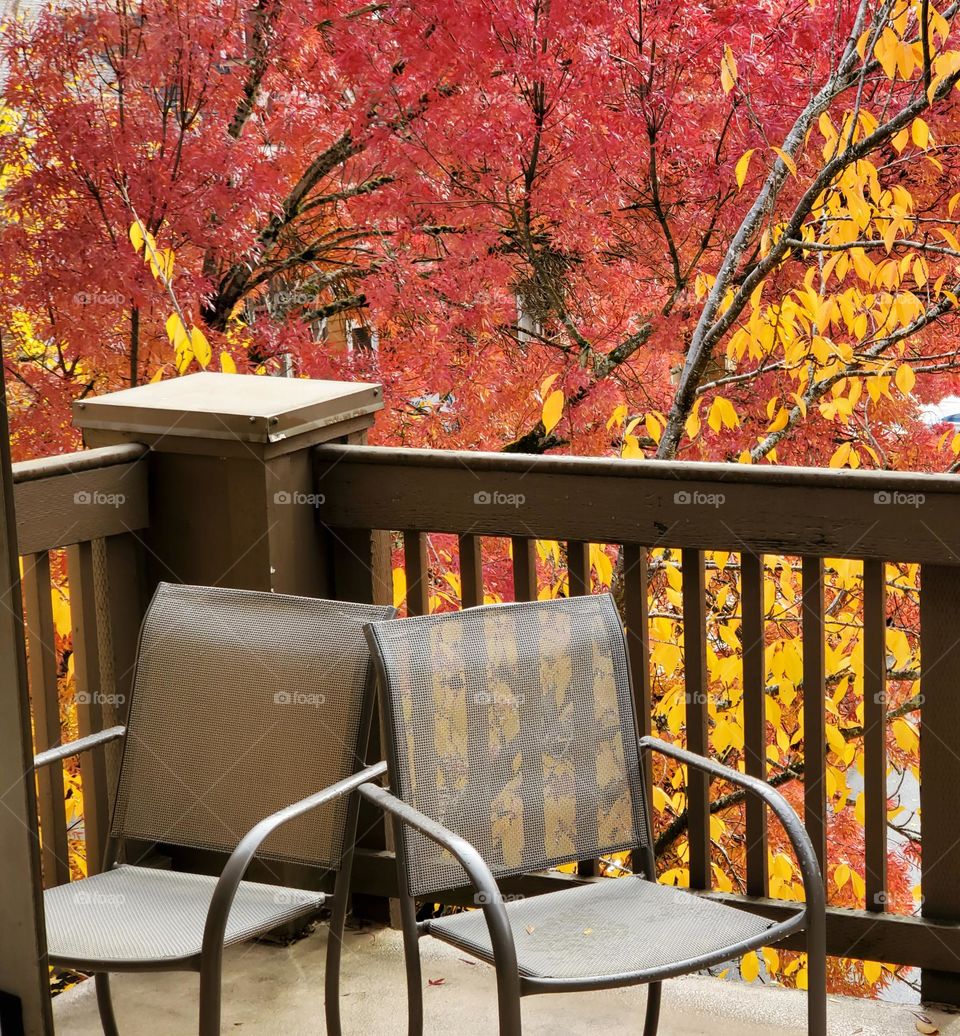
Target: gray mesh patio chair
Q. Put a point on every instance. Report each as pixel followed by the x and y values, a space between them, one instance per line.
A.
pixel 513 748
pixel 246 735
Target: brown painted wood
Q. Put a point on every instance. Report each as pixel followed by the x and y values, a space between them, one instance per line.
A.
pixel 361 567
pixel 637 630
pixel 24 975
pixel 471 571
pixel 754 716
pixel 697 688
pixel 126 604
pixel 361 572
pixel 814 709
pixel 83 610
pixel 416 567
pixel 524 569
pixel 578 568
pixel 42 669
pixel 636 620
pixel 875 734
pixel 64 509
pixel 940 764
pixel 766 510
pixel 863 935
pixel 578 585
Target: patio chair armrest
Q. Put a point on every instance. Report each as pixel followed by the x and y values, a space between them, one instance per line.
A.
pixel 241 857
pixel 82 744
pixel 477 870
pixel 796 832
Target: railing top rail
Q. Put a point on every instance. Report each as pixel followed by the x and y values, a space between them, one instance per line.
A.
pixel 889 516
pixel 674 470
pixel 74 463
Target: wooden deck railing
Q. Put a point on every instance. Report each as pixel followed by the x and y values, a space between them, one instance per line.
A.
pixel 814 514
pixel 77 516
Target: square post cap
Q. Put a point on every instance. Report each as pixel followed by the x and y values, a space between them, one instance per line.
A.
pixel 229 414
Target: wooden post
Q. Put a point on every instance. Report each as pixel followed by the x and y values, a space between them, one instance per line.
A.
pixel 233 499
pixel 939 765
pixel 233 493
pixel 24 985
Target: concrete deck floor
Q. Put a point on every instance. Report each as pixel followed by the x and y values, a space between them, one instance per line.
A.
pixel 272 989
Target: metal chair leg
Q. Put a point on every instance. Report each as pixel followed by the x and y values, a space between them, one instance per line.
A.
pixel 210 983
pixel 338 919
pixel 652 1021
pixel 509 1006
pixel 105 1005
pixel 411 958
pixel 817 993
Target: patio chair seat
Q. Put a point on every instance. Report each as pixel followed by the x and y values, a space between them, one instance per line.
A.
pixel 614 926
pixel 133 915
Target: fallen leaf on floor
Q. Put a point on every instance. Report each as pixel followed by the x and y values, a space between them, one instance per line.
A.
pixel 925 1025
pixel 530 929
pixel 436 981
pixel 472 963
pixel 588 931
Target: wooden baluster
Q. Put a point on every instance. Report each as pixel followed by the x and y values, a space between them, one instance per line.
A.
pixel 940 766
pixel 637 630
pixel 524 569
pixel 471 571
pixel 694 595
pixel 42 670
pixel 93 774
pixel 417 570
pixel 814 708
pixel 578 568
pixel 637 627
pixel 754 716
pixel 874 733
pixel 578 584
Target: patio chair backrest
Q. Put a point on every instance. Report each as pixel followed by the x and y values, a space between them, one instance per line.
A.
pixel 513 726
pixel 243 703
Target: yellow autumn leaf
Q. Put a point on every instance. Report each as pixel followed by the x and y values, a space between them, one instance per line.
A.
pixel 787 160
pixel 743 164
pixel 653 427
pixel 900 140
pixel 872 971
pixel 227 364
pixel 840 456
pixel 176 332
pixel 618 416
pixel 692 424
pixel 920 132
pixel 841 875
pixel 727 412
pixel 552 410
pixel 749 967
pixel 136 236
pixel 728 70
pixel 780 421
pixel 886 51
pixel 905 378
pixel 200 346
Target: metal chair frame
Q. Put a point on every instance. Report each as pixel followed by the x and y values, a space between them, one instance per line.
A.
pixel 511 985
pixel 208 962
